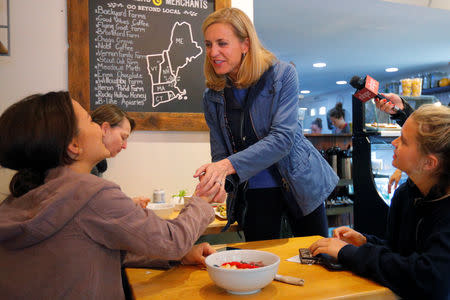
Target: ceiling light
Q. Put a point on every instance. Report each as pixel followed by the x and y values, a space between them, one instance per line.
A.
pixel 313 112
pixel 319 65
pixel 341 82
pixel 391 69
pixel 305 91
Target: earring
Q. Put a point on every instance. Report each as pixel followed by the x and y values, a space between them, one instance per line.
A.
pixel 244 54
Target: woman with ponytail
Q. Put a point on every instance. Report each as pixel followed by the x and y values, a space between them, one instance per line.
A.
pixel 69 226
pixel 337 117
pixel 413 258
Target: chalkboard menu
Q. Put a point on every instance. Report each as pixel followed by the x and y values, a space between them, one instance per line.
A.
pixel 145 56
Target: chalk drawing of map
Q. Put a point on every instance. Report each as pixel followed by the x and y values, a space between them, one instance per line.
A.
pixel 163 68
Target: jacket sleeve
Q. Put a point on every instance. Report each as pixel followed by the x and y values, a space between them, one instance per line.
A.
pixel 280 138
pixel 417 276
pixel 400 117
pixel 114 221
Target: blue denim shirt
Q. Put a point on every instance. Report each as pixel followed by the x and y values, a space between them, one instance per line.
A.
pixel 274 116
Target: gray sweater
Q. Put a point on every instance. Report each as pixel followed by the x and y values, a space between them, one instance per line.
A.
pixel 63 240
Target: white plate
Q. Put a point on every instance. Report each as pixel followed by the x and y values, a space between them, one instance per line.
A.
pixel 216 211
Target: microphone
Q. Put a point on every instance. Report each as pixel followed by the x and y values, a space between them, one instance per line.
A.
pixel 367 88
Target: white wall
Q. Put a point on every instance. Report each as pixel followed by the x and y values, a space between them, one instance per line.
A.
pixel 38 64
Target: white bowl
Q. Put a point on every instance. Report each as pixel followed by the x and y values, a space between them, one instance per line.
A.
pixel 162 210
pixel 242 281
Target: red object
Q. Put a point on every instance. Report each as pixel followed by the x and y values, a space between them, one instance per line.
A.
pixel 241 265
pixel 369 91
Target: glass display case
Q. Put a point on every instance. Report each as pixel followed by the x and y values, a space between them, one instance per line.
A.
pixel 382 169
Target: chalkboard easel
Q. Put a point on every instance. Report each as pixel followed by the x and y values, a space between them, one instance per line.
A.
pixel 79 74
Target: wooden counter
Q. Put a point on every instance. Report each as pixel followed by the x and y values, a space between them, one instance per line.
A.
pixel 193 282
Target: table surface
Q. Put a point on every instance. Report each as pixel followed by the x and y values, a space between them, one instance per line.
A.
pixel 193 282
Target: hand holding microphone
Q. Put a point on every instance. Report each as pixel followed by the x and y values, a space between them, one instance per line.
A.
pixel 367 88
pixel 387 105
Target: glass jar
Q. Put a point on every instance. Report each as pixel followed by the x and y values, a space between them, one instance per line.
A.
pixel 426 81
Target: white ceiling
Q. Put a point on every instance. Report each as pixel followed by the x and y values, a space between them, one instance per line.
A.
pixel 354 37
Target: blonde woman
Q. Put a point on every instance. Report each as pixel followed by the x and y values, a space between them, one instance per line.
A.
pixel 257 144
pixel 414 258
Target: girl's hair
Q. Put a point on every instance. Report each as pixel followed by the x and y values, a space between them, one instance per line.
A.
pixel 34 135
pixel 337 111
pixel 318 122
pixel 253 64
pixel 433 137
pixel 112 114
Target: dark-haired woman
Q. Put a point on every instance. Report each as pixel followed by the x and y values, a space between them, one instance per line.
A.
pixel 337 117
pixel 316 126
pixel 62 229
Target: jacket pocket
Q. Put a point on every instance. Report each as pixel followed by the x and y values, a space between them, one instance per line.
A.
pixel 300 159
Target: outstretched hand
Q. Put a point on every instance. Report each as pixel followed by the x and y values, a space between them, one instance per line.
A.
pixel 197 255
pixel 212 179
pixel 141 201
pixel 394 179
pixel 349 235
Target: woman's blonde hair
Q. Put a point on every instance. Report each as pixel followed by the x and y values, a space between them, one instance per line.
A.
pixel 253 64
pixel 433 137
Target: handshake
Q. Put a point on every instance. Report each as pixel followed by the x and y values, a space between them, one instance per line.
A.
pixel 212 176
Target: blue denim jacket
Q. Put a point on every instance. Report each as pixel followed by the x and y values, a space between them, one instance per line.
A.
pixel 306 175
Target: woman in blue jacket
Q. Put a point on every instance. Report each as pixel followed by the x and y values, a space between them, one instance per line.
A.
pixel 257 145
pixel 413 259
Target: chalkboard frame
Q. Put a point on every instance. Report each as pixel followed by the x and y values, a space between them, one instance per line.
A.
pixel 79 88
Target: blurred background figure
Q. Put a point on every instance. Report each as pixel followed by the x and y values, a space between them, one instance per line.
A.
pixel 337 117
pixel 316 126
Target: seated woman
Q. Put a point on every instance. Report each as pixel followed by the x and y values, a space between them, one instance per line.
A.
pixel 116 127
pixel 316 126
pixel 337 115
pixel 69 226
pixel 414 258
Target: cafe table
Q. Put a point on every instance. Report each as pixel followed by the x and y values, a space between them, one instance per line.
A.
pixel 193 282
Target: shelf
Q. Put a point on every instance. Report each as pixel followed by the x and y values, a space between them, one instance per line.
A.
pixel 436 90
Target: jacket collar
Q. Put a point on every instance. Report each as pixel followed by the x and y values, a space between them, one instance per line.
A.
pixel 217 96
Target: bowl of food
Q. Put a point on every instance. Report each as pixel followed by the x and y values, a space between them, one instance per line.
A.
pixel 162 210
pixel 242 271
